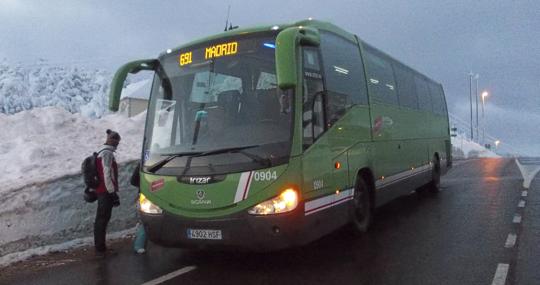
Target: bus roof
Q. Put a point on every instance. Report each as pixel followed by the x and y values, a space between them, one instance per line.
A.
pixel 323 25
pixel 308 22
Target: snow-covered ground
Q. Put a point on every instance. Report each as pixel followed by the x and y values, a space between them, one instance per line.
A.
pixel 41 205
pixel 462 147
pixel 51 118
pixel 47 143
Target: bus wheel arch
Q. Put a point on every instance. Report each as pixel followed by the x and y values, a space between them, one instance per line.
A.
pixel 363 202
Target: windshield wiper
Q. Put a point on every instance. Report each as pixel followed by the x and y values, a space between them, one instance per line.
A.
pixel 226 150
pixel 254 157
pixel 264 161
pixel 158 165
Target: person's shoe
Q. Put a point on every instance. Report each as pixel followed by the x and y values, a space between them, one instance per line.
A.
pixel 100 254
pixel 140 251
pixel 111 251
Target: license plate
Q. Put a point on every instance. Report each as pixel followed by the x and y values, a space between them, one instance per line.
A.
pixel 204 234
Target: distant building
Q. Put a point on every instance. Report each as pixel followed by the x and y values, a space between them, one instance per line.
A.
pixel 135 96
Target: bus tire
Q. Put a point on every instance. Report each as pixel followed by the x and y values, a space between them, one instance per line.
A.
pixel 434 185
pixel 362 210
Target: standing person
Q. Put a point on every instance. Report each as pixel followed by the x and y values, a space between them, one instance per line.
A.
pixel 139 243
pixel 106 191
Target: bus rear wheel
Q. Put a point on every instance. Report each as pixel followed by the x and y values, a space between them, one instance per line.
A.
pixel 362 214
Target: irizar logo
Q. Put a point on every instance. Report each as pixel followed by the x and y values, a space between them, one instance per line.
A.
pixel 200 198
pixel 199 180
pixel 200 194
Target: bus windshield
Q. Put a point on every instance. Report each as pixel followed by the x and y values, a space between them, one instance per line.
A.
pixel 215 108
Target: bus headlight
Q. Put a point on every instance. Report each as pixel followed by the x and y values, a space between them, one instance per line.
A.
pixel 148 207
pixel 285 202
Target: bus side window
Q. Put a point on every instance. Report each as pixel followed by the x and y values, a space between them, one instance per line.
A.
pixel 437 99
pixel 380 76
pixel 344 75
pixel 405 86
pixel 312 98
pixel 424 98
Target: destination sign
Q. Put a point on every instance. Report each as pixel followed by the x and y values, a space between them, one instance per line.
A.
pixel 186 58
pixel 209 52
pixel 221 50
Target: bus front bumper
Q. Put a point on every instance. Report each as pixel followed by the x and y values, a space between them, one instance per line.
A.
pixel 244 231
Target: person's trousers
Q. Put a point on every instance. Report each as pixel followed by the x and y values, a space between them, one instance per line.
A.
pixel 103 215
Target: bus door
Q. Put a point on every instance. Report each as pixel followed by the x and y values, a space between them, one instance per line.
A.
pixel 319 160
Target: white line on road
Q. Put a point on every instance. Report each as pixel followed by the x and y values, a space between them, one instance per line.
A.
pixel 517 219
pixel 528 171
pixel 500 274
pixel 170 275
pixel 521 204
pixel 524 194
pixel 510 240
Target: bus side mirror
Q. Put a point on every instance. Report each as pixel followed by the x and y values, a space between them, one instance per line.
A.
pixel 120 76
pixel 287 43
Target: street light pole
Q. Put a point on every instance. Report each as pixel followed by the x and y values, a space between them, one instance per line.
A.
pixel 470 102
pixel 484 95
pixel 476 95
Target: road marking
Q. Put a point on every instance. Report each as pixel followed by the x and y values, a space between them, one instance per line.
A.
pixel 170 276
pixel 517 219
pixel 528 171
pixel 510 240
pixel 524 194
pixel 500 274
pixel 521 204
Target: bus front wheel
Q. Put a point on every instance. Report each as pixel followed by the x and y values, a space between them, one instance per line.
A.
pixel 362 214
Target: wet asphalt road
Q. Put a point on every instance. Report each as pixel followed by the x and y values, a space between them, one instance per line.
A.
pixel 460 236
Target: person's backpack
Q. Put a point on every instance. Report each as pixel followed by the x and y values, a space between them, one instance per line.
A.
pixel 89 171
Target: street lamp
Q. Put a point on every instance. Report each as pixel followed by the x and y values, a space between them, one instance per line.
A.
pixel 497 142
pixel 484 95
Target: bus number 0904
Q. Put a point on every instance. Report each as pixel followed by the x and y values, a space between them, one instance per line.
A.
pixel 265 176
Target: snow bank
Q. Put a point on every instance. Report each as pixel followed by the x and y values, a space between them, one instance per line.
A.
pixel 76 243
pixel 47 143
pixel 41 204
pixel 462 147
pixel 138 90
pixel 49 215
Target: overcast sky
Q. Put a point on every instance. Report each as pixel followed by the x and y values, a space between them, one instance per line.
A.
pixel 498 39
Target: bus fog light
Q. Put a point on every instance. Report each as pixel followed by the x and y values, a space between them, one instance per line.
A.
pixel 148 207
pixel 285 202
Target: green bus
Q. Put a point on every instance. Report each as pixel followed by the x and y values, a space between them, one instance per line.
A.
pixel 274 136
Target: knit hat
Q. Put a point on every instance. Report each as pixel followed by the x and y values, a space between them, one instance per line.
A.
pixel 113 138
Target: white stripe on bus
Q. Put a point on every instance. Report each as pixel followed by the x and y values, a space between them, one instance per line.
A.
pixel 328 201
pixel 243 186
pixel 400 176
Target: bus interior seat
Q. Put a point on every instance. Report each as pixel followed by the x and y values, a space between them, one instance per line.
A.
pixel 229 101
pixel 269 105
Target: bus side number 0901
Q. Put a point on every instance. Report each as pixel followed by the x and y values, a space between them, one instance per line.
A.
pixel 265 176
